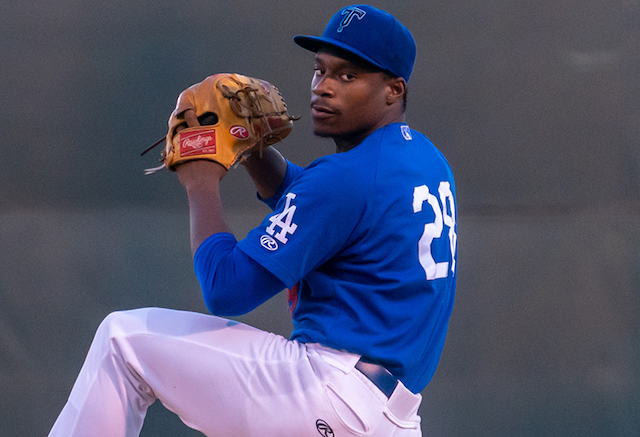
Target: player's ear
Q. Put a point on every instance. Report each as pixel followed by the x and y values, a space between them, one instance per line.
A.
pixel 397 88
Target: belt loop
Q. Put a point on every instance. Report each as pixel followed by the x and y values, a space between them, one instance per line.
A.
pixel 404 406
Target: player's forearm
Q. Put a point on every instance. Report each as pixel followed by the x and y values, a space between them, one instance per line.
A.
pixel 267 170
pixel 201 180
pixel 206 216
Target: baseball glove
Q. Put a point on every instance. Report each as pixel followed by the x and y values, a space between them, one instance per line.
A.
pixel 237 115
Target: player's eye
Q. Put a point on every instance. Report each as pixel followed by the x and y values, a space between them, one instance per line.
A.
pixel 208 118
pixel 347 77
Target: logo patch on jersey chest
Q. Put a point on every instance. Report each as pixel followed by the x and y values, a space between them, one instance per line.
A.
pixel 406 132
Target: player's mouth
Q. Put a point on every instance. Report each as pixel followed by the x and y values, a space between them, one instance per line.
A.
pixel 321 111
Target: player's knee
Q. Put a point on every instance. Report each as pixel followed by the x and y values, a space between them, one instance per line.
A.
pixel 120 324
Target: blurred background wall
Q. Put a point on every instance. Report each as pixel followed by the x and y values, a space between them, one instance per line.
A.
pixel 535 104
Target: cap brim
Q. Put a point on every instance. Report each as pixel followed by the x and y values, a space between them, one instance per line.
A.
pixel 314 43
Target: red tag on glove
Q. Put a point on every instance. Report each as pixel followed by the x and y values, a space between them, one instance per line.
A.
pixel 198 142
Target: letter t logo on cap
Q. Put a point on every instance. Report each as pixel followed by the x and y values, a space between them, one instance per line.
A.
pixel 349 14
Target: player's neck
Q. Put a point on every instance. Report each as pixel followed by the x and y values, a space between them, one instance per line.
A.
pixel 347 142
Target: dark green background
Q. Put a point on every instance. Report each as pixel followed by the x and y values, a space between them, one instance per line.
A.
pixel 536 105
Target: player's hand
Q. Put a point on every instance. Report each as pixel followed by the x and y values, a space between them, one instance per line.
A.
pixel 198 171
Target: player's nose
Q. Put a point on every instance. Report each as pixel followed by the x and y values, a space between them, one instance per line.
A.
pixel 321 86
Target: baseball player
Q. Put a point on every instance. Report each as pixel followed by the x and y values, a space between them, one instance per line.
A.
pixel 364 240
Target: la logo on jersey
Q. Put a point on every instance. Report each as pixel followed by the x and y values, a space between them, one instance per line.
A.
pixel 283 221
pixel 349 14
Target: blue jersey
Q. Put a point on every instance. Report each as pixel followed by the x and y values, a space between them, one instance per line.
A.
pixel 370 237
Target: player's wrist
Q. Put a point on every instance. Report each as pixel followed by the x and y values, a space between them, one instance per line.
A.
pixel 200 174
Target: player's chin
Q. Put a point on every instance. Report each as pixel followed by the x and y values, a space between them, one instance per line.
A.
pixel 325 131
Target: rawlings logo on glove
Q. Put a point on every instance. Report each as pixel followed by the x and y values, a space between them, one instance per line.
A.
pixel 237 115
pixel 197 142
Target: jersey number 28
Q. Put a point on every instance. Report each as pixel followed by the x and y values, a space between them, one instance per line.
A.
pixel 445 216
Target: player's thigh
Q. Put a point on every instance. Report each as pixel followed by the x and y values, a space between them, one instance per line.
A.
pixel 217 375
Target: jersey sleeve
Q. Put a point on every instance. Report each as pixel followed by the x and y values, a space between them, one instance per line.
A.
pixel 232 283
pixel 313 219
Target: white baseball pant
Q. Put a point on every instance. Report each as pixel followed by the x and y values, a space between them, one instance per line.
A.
pixel 226 379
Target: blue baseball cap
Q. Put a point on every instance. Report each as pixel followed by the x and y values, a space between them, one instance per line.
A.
pixel 371 34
